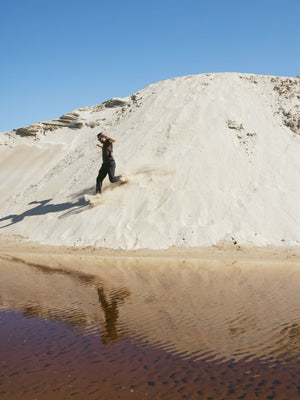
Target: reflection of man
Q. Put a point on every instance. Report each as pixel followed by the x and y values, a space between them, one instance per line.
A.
pixel 111 314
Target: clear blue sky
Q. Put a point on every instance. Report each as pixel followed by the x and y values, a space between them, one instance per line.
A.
pixel 59 55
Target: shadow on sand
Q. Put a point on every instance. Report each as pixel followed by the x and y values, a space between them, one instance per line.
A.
pixel 43 207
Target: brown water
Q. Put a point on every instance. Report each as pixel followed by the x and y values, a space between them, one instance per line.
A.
pixel 130 330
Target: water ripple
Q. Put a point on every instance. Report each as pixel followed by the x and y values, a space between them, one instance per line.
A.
pixel 216 317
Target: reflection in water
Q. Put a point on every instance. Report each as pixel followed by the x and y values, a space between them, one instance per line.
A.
pixel 72 316
pixel 111 313
pixel 189 330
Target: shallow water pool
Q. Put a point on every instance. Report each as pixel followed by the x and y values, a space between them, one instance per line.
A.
pixel 130 330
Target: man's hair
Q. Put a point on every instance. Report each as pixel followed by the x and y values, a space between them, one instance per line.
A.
pixel 99 135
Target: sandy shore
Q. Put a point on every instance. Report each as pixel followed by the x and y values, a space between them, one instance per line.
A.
pixel 223 253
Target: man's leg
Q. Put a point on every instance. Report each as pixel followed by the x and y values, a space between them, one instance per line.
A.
pixel 111 172
pixel 101 175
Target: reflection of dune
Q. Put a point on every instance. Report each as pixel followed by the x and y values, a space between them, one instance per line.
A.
pixel 72 297
pixel 201 310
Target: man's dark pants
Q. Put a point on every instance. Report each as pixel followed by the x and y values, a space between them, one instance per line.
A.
pixel 106 168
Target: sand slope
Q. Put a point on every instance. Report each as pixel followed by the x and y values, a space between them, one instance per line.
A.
pixel 213 158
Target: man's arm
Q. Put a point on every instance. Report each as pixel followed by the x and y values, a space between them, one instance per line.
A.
pixel 111 139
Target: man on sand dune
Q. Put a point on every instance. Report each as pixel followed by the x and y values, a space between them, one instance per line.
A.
pixel 108 162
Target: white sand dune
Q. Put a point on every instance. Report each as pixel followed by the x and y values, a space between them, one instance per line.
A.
pixel 212 158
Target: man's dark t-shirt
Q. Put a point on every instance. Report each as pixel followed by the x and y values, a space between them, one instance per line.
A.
pixel 107 151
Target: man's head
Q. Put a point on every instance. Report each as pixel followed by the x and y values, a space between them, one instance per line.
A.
pixel 101 137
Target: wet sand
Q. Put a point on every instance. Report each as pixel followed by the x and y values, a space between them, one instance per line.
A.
pixel 213 323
